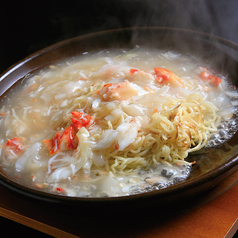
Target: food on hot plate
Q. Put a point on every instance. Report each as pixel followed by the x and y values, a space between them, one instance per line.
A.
pixel 112 123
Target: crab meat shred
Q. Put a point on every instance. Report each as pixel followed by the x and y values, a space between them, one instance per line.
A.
pixel 140 76
pixel 208 76
pixel 118 91
pixel 164 76
pixel 65 166
pixel 13 148
pixel 66 139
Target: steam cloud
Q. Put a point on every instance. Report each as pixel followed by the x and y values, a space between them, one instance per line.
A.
pixel 216 17
pixel 26 28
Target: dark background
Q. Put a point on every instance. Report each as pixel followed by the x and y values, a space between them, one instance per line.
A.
pixel 28 26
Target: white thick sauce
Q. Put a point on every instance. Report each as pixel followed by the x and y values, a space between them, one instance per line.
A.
pixel 32 117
